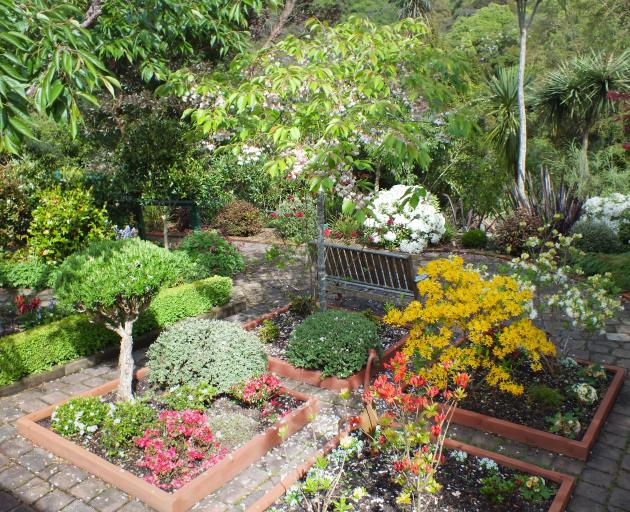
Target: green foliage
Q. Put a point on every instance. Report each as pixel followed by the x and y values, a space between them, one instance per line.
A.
pixel 346 227
pixel 335 342
pixel 189 396
pixel 512 234
pixel 475 239
pixel 184 301
pixel 218 352
pixel 268 331
pixel 239 218
pixel 212 254
pixel 294 219
pixel 79 417
pixel 534 488
pixel 544 396
pixel 39 349
pixel 126 422
pixel 15 210
pixel 29 273
pixel 596 237
pixel 302 305
pixel 497 488
pixel 617 264
pixel 64 222
pixel 624 229
pixel 117 279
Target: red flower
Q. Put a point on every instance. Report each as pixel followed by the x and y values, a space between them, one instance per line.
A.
pixel 299 215
pixel 291 198
pixel 433 391
pixel 326 232
pixel 354 422
pixel 462 380
pixel 390 222
pixel 417 381
pixel 436 430
pixel 273 215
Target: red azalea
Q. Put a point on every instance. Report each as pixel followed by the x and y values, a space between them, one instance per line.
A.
pixel 273 215
pixel 354 422
pixel 390 222
pixel 417 381
pixel 439 418
pixel 326 232
pixel 462 380
pixel 299 215
pixel 433 391
pixel 436 430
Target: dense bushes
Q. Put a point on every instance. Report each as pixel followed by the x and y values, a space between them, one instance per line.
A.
pixel 40 348
pixel 192 299
pixel 216 352
pixel 30 273
pixel 617 264
pixel 512 234
pixel 239 218
pixel 64 222
pixel 474 239
pixel 14 210
pixel 212 254
pixel 335 342
pixel 596 237
pixel 294 219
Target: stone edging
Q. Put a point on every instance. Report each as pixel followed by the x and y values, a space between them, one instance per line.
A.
pixel 191 493
pixel 314 377
pixel 559 503
pixel 106 354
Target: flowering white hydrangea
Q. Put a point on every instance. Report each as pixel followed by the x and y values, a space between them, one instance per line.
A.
pixel 402 227
pixel 585 392
pixel 607 209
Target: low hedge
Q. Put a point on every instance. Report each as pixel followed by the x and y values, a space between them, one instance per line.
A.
pixel 39 349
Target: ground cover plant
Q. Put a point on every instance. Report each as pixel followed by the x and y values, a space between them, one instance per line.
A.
pixel 212 254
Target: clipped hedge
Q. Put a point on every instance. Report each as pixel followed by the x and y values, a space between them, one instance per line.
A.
pixel 39 349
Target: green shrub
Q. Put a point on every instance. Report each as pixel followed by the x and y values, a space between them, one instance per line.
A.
pixel 80 417
pixel 189 396
pixel 302 305
pixel 617 264
pixel 212 254
pixel 173 304
pixel 474 239
pixel 335 342
pixel 512 234
pixel 239 218
pixel 220 353
pixel 294 219
pixel 15 210
pixel 64 222
pixel 596 237
pixel 449 233
pixel 544 396
pixel 624 229
pixel 30 273
pixel 124 423
pixel 40 348
pixel 268 331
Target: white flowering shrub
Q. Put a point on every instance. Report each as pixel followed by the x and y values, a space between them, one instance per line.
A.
pixel 584 392
pixel 404 228
pixel 79 417
pixel 609 210
pixel 487 464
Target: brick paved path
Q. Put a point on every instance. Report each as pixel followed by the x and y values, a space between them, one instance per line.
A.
pixel 32 479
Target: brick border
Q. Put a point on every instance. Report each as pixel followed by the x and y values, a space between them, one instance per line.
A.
pixel 191 493
pixel 559 503
pixel 314 377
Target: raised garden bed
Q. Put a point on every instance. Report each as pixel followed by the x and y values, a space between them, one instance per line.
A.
pixel 461 483
pixel 577 448
pixel 393 340
pixel 33 427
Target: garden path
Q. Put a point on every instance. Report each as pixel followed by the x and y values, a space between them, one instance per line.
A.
pixel 31 479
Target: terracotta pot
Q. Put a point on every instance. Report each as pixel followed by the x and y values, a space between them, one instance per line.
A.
pixel 188 495
pixel 546 440
pixel 314 377
pixel 559 504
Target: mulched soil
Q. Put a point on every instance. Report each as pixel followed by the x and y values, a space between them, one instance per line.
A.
pixel 492 402
pixel 222 405
pixel 288 321
pixel 461 491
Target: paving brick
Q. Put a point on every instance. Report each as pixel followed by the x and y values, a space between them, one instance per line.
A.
pixel 15 447
pixel 54 397
pixel 32 405
pixel 583 504
pixel 135 506
pixel 89 488
pixel 7 501
pixel 35 460
pixel 14 477
pixel 620 498
pixel 601 463
pixel 598 478
pixel 78 506
pixel 592 492
pixel 7 432
pixel 67 477
pixel 53 501
pixel 109 500
pixel 33 490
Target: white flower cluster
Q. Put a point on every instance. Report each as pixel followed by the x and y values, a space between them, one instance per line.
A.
pixel 585 392
pixel 249 155
pixel 487 464
pixel 459 455
pixel 300 159
pixel 402 227
pixel 607 209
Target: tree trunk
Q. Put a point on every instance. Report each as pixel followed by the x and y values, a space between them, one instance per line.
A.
pixel 584 167
pixel 165 230
pixel 321 250
pixel 377 178
pixel 521 193
pixel 282 21
pixel 125 362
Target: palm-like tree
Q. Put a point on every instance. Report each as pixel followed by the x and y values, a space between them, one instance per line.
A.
pixel 414 8
pixel 576 96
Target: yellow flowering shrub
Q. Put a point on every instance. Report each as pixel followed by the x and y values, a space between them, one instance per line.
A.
pixel 483 323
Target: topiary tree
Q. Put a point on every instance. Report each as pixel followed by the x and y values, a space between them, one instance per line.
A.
pixel 114 282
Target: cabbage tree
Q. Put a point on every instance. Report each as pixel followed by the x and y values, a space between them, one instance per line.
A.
pixel 327 104
pixel 114 282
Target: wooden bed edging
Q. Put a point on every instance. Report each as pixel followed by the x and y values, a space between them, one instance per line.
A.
pixel 191 493
pixel 546 440
pixel 314 377
pixel 559 503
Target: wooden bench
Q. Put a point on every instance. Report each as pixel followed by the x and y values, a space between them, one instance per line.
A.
pixel 365 270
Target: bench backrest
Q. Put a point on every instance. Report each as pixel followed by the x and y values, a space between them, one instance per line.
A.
pixel 377 270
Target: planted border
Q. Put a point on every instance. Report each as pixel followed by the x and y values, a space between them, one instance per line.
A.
pixel 191 493
pixel 559 503
pixel 314 377
pixel 546 440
